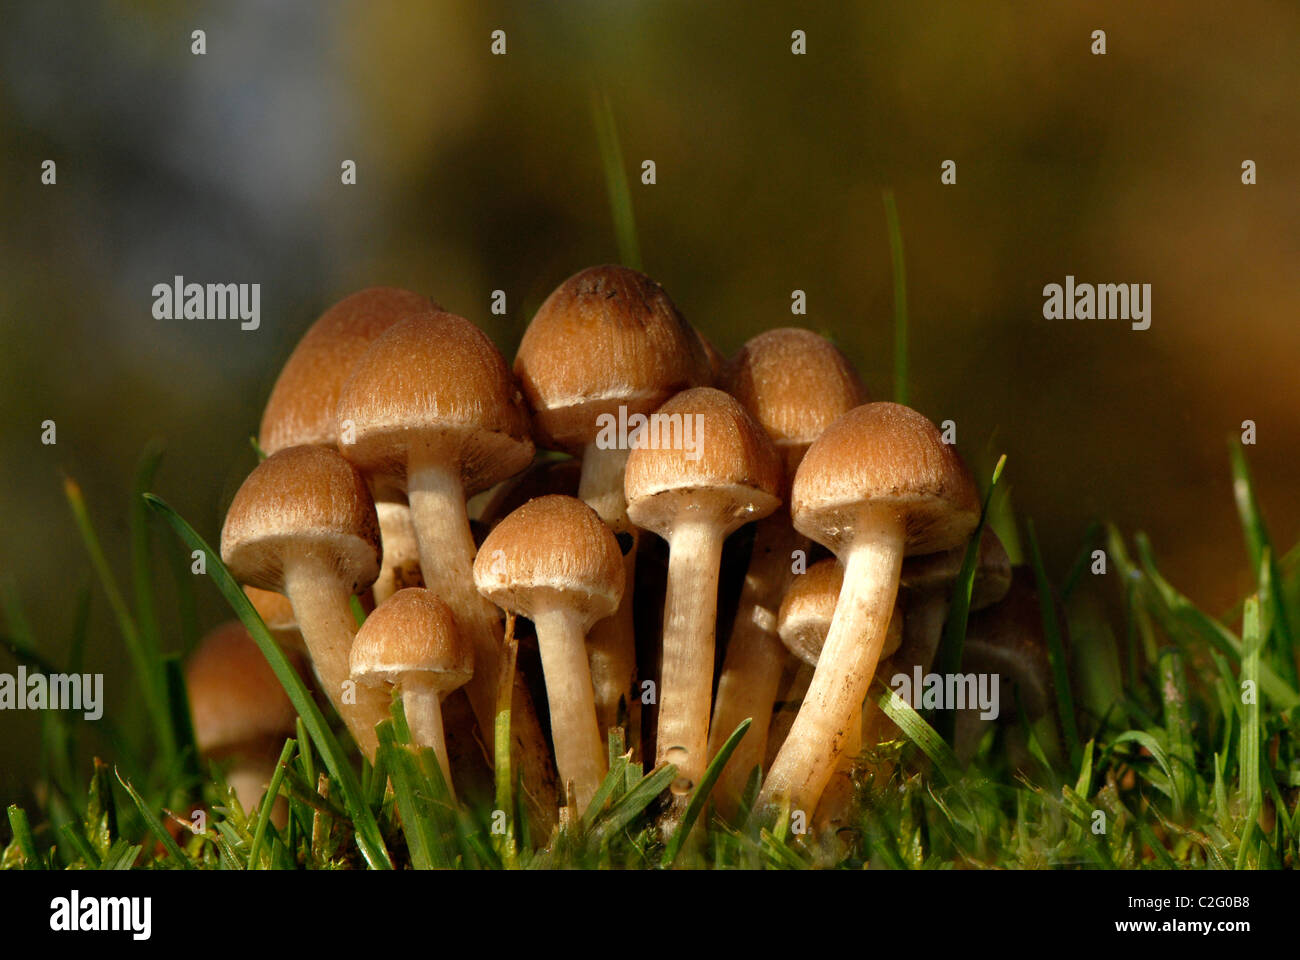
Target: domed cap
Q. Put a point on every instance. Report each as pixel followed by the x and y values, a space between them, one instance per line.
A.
pixel 796 384
pixel 706 457
pixel 274 608
pixel 809 606
pixel 435 381
pixel 1007 639
pixel 884 459
pixel 412 632
pixel 606 337
pixel 301 407
pixel 938 571
pixel 235 698
pixel 298 501
pixel 553 550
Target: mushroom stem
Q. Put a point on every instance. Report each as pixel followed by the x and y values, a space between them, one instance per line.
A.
pixel 756 658
pixel 446 547
pixel 325 618
pixel 923 631
pixel 578 750
pixel 690 611
pixel 822 730
pixel 422 704
pixel 611 644
pixel 400 552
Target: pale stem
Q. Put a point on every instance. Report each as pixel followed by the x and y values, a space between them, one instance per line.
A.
pixel 321 605
pixel 447 549
pixel 690 610
pixel 791 690
pixel 611 643
pixel 756 658
pixel 922 630
pixel 401 553
pixel 422 703
pixel 579 752
pixel 823 729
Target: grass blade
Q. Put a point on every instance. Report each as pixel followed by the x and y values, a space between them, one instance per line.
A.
pixel 368 838
pixel 155 825
pixel 268 803
pixel 1055 650
pixel 620 196
pixel 920 733
pixel 700 796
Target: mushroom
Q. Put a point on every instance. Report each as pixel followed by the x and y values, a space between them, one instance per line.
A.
pixel 303 524
pixel 411 642
pixel 607 346
pixel 241 714
pixel 1007 640
pixel 554 562
pixel 927 583
pixel 803 622
pixel 301 407
pixel 277 613
pixel 878 484
pixel 795 384
pixel 431 408
pixel 693 495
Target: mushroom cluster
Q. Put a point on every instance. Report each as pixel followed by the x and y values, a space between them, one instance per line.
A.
pixel 411 469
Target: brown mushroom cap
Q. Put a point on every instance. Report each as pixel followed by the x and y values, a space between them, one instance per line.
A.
pixel 553 550
pixel 412 632
pixel 1007 639
pixel 809 606
pixel 937 571
pixel 732 475
pixel 274 608
pixel 435 381
pixel 301 499
pixel 235 698
pixel 884 459
pixel 606 337
pixel 301 407
pixel 795 383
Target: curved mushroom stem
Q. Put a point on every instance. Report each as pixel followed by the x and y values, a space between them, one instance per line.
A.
pixel 578 750
pixel 792 688
pixel 837 799
pixel 611 643
pixel 821 731
pixel 751 673
pixel 401 554
pixel 321 607
pixel 690 610
pixel 923 630
pixel 447 549
pixel 422 704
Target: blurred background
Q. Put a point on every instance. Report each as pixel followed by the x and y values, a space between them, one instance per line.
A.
pixel 478 172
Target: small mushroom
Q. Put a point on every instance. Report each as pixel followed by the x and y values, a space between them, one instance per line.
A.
pixel 411 642
pixel 303 524
pixel 302 404
pixel 795 384
pixel 277 613
pixel 432 409
pixel 927 584
pixel 241 714
pixel 878 484
pixel 608 345
pixel 555 562
pixel 693 496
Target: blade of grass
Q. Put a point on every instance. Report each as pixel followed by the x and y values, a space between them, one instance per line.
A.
pixel 148 670
pixel 368 838
pixel 1178 730
pixel 920 733
pixel 268 803
pixel 901 372
pixel 1055 650
pixel 700 796
pixel 616 185
pixel 26 840
pixel 633 803
pixel 154 824
pixel 142 574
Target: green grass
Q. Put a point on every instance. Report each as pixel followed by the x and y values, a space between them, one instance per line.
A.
pixel 1172 763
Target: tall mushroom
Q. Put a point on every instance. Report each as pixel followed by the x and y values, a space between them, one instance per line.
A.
pixel 607 347
pixel 795 384
pixel 803 622
pixel 432 409
pixel 555 562
pixel 411 642
pixel 240 712
pixel 301 407
pixel 702 469
pixel 303 524
pixel 879 483
pixel 927 584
